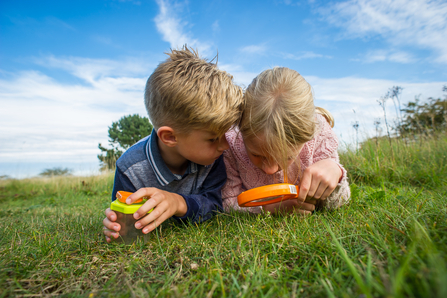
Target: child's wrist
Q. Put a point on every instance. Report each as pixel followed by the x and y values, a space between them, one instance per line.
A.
pixel 341 175
pixel 182 207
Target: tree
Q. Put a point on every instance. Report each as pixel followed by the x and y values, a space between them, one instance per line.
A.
pixel 123 134
pixel 425 117
pixel 56 171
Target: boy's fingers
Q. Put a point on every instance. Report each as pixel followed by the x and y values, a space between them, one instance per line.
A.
pixel 142 192
pixel 111 225
pixel 111 215
pixel 156 223
pixel 149 218
pixel 150 204
pixel 110 233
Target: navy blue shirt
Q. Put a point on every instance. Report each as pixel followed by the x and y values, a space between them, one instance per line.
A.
pixel 142 166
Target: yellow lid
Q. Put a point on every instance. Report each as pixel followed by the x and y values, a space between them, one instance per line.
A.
pixel 124 208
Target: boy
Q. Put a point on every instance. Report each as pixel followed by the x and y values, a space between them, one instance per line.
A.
pixel 179 167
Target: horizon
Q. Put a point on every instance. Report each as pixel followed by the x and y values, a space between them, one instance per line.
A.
pixel 68 70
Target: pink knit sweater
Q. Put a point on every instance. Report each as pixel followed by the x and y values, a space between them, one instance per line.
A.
pixel 243 175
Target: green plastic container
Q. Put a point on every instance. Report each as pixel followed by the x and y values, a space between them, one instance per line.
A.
pixel 124 216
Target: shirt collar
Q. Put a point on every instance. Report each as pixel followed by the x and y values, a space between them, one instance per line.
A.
pixel 161 170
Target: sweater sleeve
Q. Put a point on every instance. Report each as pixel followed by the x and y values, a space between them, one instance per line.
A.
pixel 326 148
pixel 208 201
pixel 234 186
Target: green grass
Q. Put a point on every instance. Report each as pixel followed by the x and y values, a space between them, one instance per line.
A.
pixel 390 241
pixel 418 162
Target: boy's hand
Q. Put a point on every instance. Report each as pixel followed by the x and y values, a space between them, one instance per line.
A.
pixel 319 180
pixel 111 228
pixel 165 204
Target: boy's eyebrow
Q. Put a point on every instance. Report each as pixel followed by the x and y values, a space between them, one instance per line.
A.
pixel 211 134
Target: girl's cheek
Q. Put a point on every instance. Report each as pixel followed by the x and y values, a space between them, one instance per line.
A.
pixel 256 161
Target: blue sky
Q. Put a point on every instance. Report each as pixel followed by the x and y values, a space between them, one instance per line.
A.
pixel 68 69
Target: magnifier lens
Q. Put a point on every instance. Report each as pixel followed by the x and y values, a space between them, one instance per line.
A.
pixel 267 194
pixel 265 199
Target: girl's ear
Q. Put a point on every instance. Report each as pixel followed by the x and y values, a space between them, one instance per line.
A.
pixel 167 135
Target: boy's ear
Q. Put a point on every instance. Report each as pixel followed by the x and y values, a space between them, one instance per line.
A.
pixel 167 135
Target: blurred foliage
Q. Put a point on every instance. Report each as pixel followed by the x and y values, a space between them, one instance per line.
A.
pixel 56 171
pixel 424 117
pixel 122 135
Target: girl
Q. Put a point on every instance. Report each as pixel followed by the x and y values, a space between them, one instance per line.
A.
pixel 282 137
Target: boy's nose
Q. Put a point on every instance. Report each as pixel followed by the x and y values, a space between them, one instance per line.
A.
pixel 223 144
pixel 270 168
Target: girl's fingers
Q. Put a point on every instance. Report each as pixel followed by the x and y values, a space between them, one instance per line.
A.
pixel 313 188
pixel 304 187
pixel 311 200
pixel 320 191
pixel 302 212
pixel 327 193
pixel 307 207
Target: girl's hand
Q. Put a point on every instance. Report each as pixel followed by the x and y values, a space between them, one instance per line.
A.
pixel 319 180
pixel 294 205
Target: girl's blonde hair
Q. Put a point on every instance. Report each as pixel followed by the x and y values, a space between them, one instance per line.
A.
pixel 279 106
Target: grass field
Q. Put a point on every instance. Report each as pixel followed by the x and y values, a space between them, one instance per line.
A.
pixel 390 241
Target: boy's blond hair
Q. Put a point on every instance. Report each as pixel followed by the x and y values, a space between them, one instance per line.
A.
pixel 279 106
pixel 187 92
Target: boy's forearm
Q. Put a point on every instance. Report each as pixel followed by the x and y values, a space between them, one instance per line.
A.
pixel 205 204
pixel 201 207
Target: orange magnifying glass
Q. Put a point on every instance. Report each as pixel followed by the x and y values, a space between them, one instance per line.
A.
pixel 268 194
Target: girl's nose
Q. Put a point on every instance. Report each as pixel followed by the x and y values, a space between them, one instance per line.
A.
pixel 270 167
pixel 223 144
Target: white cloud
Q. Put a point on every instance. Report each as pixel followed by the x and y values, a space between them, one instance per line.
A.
pixel 171 27
pixel 53 21
pixel 343 95
pixel 420 23
pixel 241 77
pixel 386 55
pixel 91 70
pixel 43 120
pixel 303 55
pixel 254 49
pixel 216 26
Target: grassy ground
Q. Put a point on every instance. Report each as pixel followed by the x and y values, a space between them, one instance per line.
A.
pixel 390 241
